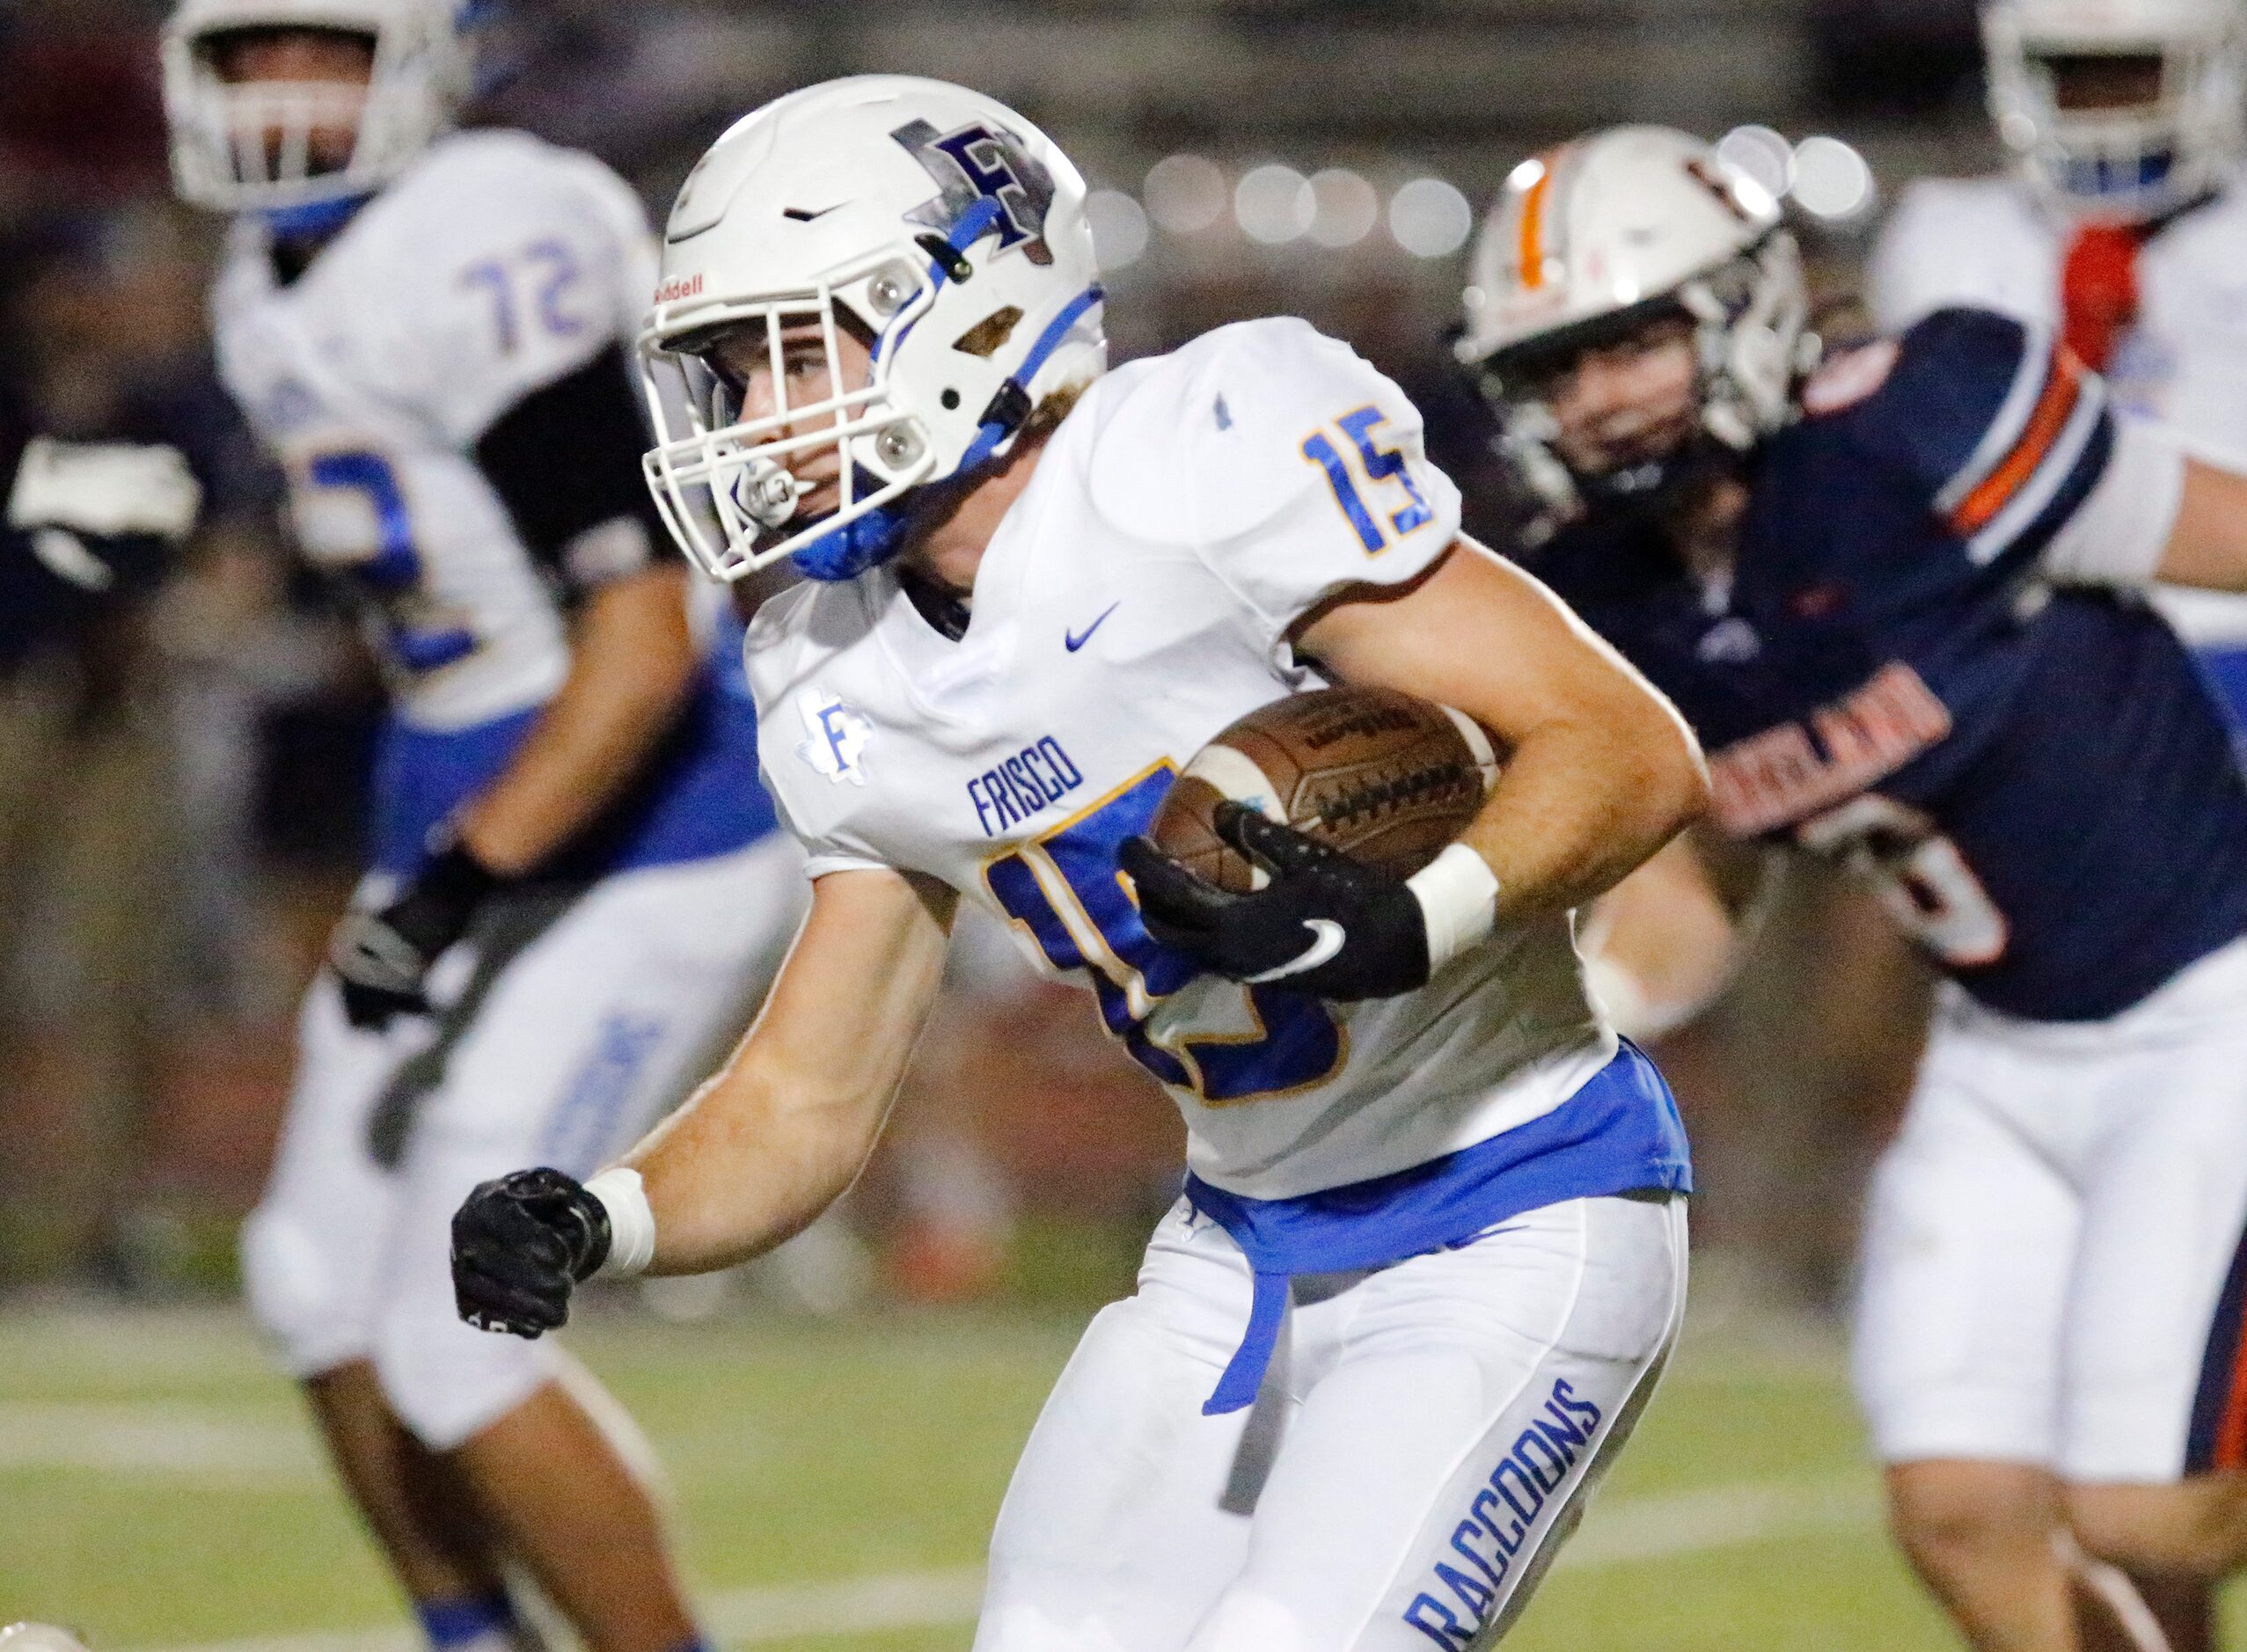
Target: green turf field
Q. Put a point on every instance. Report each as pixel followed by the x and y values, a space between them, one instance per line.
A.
pixel 837 1483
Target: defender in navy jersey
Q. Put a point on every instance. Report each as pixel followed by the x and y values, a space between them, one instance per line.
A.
pixel 1899 597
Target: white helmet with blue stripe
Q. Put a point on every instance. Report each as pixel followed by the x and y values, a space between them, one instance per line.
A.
pixel 939 226
pixel 2121 109
pixel 251 146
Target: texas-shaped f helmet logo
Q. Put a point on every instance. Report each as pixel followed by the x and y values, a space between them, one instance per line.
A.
pixel 976 162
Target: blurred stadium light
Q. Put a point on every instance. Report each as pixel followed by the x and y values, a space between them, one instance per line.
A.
pixel 1185 194
pixel 1119 228
pixel 1430 218
pixel 1274 204
pixel 1831 181
pixel 1346 206
pixel 1761 153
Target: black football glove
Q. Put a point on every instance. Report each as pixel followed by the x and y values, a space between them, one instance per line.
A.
pixel 382 958
pixel 520 1246
pixel 1325 925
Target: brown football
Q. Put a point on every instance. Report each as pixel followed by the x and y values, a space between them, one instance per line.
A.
pixel 1382 776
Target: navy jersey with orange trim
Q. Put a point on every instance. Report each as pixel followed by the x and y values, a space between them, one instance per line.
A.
pixel 2032 776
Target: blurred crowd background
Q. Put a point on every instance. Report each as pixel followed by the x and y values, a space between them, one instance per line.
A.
pixel 180 779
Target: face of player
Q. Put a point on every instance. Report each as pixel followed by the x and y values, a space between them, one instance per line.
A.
pixel 1628 404
pixel 2104 82
pixel 742 361
pixel 301 58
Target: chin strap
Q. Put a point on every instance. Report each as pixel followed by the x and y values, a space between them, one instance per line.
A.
pixel 313 219
pixel 847 551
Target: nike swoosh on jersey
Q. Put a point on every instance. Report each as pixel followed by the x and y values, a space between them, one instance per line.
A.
pixel 1328 938
pixel 1073 641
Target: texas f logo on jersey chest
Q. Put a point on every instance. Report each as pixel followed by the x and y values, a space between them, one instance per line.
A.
pixel 836 737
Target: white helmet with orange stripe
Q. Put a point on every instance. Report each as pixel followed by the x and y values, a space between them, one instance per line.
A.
pixel 1596 242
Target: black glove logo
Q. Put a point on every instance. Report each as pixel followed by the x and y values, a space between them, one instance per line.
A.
pixel 1328 939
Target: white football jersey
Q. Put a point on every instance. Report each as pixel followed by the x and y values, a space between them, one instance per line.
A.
pixel 1134 601
pixel 1985 242
pixel 497 264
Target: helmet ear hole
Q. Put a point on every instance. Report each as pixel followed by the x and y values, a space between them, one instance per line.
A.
pixel 951 401
pixel 985 337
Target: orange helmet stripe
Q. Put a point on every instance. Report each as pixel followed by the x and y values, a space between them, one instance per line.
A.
pixel 1532 225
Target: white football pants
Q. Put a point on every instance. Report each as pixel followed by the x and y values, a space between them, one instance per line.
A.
pixel 2048 1241
pixel 560 1057
pixel 1426 1440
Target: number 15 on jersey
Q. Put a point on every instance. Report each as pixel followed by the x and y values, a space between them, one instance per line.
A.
pixel 1381 466
pixel 1066 890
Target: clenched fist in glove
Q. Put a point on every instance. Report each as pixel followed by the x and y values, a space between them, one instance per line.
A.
pixel 1325 924
pixel 521 1245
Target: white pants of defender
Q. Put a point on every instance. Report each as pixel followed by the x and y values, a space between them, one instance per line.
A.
pixel 584 1034
pixel 1425 1440
pixel 2049 1236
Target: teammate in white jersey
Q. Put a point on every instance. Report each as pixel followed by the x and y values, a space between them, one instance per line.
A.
pixel 1432 1254
pixel 574 868
pixel 2121 229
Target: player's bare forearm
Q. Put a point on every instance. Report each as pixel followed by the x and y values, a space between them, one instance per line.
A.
pixel 1665 942
pixel 780 1134
pixel 1599 770
pixel 1581 803
pixel 633 660
pixel 2207 546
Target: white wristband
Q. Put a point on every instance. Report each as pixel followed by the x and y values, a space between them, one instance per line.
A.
pixel 2117 535
pixel 1459 899
pixel 631 1224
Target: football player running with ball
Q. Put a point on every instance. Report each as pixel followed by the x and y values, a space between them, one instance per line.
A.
pixel 2121 228
pixel 1898 598
pixel 1432 1253
pixel 573 869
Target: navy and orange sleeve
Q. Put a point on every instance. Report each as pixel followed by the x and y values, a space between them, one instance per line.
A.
pixel 1996 424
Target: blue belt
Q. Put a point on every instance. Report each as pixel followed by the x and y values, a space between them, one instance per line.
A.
pixel 1619 1134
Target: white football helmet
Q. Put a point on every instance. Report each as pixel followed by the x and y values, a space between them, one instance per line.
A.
pixel 244 148
pixel 1597 239
pixel 947 230
pixel 2133 163
pixel 37 1637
